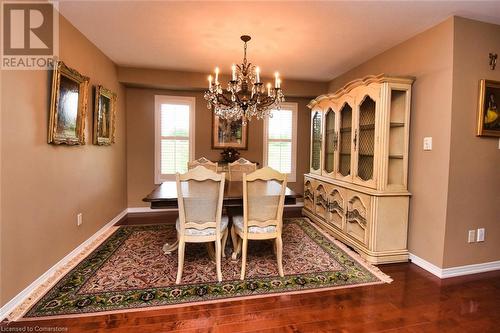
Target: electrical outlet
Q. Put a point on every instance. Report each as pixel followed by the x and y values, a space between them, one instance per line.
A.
pixel 472 236
pixel 79 219
pixel 480 235
pixel 428 143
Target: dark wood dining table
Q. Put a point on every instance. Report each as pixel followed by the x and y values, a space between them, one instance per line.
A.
pixel 164 196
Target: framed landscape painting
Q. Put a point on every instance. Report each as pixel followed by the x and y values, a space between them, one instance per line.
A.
pixel 68 106
pixel 229 133
pixel 104 116
pixel 488 120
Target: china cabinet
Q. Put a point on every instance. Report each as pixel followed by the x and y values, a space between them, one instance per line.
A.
pixel 357 185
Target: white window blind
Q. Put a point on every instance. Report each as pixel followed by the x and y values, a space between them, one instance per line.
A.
pixel 174 135
pixel 280 140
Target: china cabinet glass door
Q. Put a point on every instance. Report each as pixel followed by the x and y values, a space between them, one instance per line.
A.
pixel 344 141
pixel 364 140
pixel 316 123
pixel 331 141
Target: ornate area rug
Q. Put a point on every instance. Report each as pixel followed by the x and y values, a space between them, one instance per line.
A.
pixel 129 271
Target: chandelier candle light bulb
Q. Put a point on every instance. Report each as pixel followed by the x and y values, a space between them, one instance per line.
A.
pixel 245 96
pixel 210 82
pixel 216 75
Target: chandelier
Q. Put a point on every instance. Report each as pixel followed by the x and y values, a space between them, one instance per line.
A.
pixel 246 96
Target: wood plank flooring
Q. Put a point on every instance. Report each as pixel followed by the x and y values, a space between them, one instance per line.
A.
pixel 415 302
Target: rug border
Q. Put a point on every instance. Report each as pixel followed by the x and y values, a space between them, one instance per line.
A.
pixel 18 313
pixel 186 304
pixel 20 310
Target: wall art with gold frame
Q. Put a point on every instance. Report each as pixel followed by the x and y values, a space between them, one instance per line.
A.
pixel 488 118
pixel 229 133
pixel 68 106
pixel 104 116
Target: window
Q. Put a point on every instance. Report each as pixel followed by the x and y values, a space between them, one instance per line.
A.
pixel 280 140
pixel 174 135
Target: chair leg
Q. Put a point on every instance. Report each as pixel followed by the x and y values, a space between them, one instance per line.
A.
pixel 180 265
pixel 236 243
pixel 279 254
pixel 218 259
pixel 224 241
pixel 234 238
pixel 244 258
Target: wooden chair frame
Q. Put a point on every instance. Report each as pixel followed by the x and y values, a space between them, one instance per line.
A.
pixel 241 165
pixel 240 237
pixel 205 162
pixel 200 173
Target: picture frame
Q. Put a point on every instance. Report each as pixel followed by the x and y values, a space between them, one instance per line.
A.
pixel 68 106
pixel 104 116
pixel 229 133
pixel 488 118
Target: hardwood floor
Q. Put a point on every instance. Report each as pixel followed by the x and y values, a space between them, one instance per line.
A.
pixel 415 302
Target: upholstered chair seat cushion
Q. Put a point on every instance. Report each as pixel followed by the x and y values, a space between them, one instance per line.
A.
pixel 238 223
pixel 203 232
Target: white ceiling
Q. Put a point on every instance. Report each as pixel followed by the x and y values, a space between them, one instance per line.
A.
pixel 302 40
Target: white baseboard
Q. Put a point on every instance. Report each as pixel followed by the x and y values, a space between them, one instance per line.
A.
pixel 19 298
pixel 444 273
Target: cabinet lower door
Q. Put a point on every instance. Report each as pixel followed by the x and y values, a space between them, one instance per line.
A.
pixel 336 207
pixel 358 216
pixel 309 194
pixel 321 201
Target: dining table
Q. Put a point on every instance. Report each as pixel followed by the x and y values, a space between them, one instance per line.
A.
pixel 164 196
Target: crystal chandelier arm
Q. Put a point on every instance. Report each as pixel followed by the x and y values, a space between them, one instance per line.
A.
pixel 222 99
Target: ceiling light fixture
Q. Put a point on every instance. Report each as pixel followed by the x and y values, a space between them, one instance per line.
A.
pixel 246 96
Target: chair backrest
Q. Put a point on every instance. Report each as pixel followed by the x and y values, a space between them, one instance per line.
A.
pixel 200 193
pixel 203 162
pixel 240 167
pixel 264 198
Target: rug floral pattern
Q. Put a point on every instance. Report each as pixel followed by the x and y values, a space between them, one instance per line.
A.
pixel 129 270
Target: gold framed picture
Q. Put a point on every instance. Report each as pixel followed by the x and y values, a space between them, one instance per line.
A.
pixel 229 133
pixel 104 116
pixel 68 106
pixel 488 119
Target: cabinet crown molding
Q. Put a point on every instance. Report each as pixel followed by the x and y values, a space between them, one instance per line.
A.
pixel 369 79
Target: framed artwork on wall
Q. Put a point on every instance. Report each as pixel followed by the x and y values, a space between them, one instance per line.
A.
pixel 229 133
pixel 488 119
pixel 104 116
pixel 68 106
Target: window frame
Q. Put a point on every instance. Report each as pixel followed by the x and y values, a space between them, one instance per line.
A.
pixel 168 99
pixel 292 176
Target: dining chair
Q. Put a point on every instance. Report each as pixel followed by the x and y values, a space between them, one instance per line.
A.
pixel 203 161
pixel 200 193
pixel 263 200
pixel 240 167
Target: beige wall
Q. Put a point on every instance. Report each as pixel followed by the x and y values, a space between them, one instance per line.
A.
pixel 428 57
pixel 474 182
pixel 45 186
pixel 140 139
pixel 188 81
